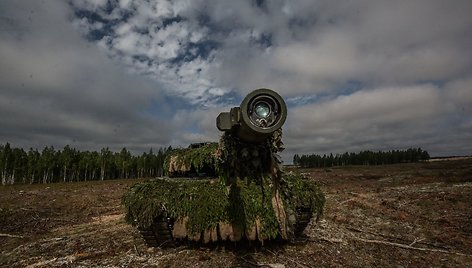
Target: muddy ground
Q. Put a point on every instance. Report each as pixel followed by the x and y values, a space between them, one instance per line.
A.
pixel 406 215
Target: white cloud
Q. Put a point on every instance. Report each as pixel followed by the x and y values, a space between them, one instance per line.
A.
pixel 92 4
pixel 378 43
pixel 330 56
pixel 460 92
pixel 57 89
pixel 161 44
pixel 364 110
pixel 382 118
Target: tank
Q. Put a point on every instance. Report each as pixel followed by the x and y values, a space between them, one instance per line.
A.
pixel 231 190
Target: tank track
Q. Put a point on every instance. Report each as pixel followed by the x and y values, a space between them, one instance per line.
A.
pixel 159 234
pixel 304 215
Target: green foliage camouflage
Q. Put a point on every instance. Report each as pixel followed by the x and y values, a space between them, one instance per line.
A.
pixel 301 192
pixel 204 201
pixel 184 159
pixel 241 159
pixel 248 190
pixel 207 203
pixel 230 157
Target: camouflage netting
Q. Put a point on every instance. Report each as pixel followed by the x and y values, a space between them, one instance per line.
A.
pixel 250 197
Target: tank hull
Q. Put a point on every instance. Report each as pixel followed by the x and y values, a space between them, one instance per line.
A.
pixel 170 210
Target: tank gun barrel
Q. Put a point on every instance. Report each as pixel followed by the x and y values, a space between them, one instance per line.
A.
pixel 261 113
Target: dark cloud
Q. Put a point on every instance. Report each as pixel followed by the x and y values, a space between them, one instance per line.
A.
pixel 57 89
pixel 362 75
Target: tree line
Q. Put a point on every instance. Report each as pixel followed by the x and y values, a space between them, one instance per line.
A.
pixel 69 164
pixel 362 158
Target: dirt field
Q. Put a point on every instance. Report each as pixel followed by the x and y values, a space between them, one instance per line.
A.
pixel 408 215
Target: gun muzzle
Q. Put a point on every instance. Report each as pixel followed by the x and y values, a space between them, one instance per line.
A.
pixel 260 114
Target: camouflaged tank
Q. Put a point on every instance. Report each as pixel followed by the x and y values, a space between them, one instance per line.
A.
pixel 233 190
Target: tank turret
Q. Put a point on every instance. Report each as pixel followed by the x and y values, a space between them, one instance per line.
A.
pixel 241 192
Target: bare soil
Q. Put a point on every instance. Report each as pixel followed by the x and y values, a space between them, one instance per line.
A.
pixel 406 215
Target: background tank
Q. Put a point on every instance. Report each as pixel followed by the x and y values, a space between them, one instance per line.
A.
pixel 244 195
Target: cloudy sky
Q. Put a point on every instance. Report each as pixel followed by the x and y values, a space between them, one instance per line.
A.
pixel 356 75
